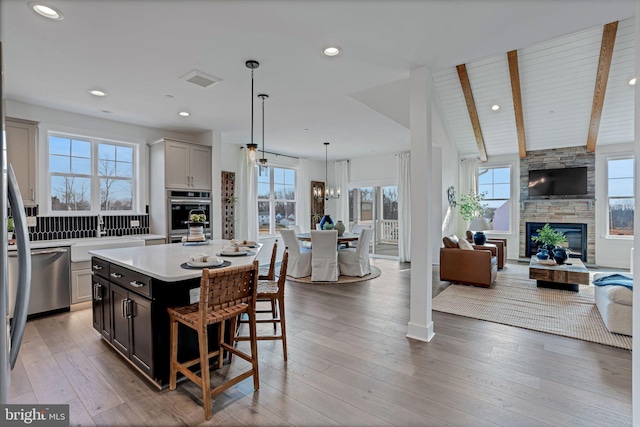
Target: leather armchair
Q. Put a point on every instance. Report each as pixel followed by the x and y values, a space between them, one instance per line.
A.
pixel 477 267
pixel 501 245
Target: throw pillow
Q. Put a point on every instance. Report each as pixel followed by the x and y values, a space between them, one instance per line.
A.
pixel 470 235
pixel 450 241
pixel 463 244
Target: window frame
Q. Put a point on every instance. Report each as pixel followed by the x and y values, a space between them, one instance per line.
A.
pixel 272 200
pixel 620 156
pixel 512 219
pixel 94 177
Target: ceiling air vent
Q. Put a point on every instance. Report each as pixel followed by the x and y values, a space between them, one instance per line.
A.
pixel 201 79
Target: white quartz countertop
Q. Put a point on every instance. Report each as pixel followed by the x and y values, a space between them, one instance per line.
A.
pixel 163 262
pixel 39 244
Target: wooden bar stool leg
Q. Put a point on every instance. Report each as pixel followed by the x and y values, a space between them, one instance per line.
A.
pixel 233 331
pixel 220 341
pixel 173 351
pixel 283 328
pixel 274 314
pixel 205 380
pixel 253 337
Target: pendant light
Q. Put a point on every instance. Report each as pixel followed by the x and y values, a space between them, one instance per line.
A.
pixel 329 192
pixel 263 161
pixel 252 65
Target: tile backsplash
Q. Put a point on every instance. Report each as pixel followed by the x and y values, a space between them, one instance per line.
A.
pixel 74 227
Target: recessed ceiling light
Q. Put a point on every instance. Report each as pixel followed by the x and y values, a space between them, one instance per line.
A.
pixel 106 111
pixel 632 82
pixel 495 107
pixel 46 11
pixel 184 114
pixel 169 96
pixel 97 92
pixel 331 51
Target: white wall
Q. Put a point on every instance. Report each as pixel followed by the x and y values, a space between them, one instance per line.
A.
pixel 610 251
pixel 50 119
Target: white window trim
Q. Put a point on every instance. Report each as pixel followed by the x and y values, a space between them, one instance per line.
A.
pixel 44 181
pixel 272 216
pixel 514 195
pixel 617 156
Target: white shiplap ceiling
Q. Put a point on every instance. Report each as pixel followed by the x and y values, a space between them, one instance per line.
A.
pixel 557 79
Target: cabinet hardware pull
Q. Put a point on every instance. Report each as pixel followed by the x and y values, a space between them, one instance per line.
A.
pixel 33 195
pixel 98 291
pixel 97 267
pixel 116 275
pixel 136 284
pixel 95 295
pixel 129 309
pixel 122 303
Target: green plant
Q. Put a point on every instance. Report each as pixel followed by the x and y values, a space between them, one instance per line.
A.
pixel 10 227
pixel 197 217
pixel 232 200
pixel 471 205
pixel 328 226
pixel 316 217
pixel 549 236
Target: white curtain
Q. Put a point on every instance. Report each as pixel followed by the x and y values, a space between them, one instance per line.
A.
pixel 342 182
pixel 468 184
pixel 404 207
pixel 247 208
pixel 303 196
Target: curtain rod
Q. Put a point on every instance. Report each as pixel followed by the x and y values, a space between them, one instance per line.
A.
pixel 275 154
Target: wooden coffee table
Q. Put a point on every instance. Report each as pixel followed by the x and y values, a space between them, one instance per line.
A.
pixel 566 276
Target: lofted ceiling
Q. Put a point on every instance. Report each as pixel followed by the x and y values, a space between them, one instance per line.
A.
pixel 138 50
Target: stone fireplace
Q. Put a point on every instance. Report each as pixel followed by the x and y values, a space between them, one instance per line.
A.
pixel 559 210
pixel 576 235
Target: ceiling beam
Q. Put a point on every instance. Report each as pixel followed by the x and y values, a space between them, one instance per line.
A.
pixel 471 107
pixel 514 73
pixel 604 64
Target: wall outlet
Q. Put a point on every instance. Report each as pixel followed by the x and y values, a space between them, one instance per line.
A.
pixel 31 221
pixel 135 223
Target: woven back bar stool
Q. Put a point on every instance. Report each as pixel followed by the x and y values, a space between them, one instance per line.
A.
pixel 225 294
pixel 272 291
pixel 270 274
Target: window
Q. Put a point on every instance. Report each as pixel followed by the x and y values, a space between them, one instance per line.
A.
pixel 90 175
pixel 276 198
pixel 495 184
pixel 620 196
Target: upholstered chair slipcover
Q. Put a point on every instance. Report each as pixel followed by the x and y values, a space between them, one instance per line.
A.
pixel 295 228
pixel 299 262
pixel 355 261
pixel 324 256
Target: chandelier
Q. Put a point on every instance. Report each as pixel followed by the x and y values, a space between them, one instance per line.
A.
pixel 329 192
pixel 252 65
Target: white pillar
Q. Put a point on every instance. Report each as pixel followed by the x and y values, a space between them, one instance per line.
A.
pixel 635 376
pixel 420 321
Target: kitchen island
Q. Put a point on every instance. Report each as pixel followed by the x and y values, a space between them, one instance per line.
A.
pixel 132 288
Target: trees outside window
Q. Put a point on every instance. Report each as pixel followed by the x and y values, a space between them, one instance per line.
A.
pixel 621 202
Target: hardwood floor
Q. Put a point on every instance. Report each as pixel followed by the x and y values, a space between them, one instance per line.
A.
pixel 349 364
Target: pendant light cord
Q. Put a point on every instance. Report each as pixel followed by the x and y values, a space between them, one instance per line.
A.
pixel 252 106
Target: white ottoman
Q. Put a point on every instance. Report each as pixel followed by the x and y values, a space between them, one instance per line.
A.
pixel 615 306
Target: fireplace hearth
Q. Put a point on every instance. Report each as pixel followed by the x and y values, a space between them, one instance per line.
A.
pixel 576 237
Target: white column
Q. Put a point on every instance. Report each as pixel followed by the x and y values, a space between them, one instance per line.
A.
pixel 420 321
pixel 635 392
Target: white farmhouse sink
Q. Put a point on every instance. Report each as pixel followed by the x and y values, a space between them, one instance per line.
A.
pixel 80 250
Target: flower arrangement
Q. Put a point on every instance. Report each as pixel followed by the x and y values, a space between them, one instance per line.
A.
pixel 548 236
pixel 197 217
pixel 328 226
pixel 10 226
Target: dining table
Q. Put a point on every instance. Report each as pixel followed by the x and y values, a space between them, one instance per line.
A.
pixel 344 239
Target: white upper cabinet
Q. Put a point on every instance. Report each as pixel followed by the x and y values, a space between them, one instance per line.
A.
pixel 21 153
pixel 187 166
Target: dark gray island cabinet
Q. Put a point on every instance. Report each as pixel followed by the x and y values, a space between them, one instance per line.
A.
pixel 132 289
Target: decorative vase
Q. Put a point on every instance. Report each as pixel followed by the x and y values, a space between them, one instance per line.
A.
pixel 340 227
pixel 325 219
pixel 10 235
pixel 543 254
pixel 560 255
pixel 479 238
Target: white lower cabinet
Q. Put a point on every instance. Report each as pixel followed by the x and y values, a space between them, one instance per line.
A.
pixel 81 289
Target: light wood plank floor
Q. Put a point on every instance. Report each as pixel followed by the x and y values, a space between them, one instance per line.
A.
pixel 349 364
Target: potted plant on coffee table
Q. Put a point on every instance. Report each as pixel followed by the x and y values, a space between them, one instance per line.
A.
pixel 550 239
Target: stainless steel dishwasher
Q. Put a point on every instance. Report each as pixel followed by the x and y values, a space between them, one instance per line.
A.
pixel 50 280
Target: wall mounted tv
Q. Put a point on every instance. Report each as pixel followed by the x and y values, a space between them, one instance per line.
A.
pixel 558 182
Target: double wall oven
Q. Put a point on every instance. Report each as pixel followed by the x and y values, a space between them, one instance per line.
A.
pixel 180 204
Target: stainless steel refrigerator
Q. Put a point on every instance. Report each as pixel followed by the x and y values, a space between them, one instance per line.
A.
pixel 11 329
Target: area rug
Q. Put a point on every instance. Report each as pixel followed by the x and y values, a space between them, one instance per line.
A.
pixel 516 301
pixel 375 272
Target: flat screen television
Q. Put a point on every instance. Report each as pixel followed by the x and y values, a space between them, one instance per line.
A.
pixel 558 182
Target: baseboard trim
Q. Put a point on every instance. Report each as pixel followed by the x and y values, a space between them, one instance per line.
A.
pixel 420 332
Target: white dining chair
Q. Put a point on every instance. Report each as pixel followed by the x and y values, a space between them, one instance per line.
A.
pixel 299 262
pixel 324 256
pixel 355 261
pixel 295 228
pixel 357 229
pixel 318 227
